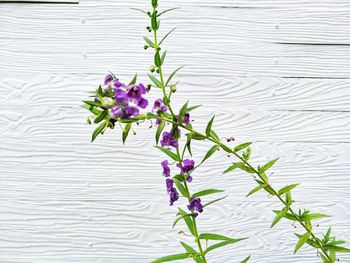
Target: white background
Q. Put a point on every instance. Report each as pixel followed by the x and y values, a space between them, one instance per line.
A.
pixel 274 72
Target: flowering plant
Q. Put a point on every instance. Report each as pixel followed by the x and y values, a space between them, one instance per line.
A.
pixel 116 104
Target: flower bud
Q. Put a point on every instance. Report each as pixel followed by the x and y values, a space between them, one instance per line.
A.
pixel 152 68
pixel 158 48
pixel 173 88
pixel 157 70
pixel 149 13
pixel 148 89
pixel 88 121
pixel 145 46
pixel 108 102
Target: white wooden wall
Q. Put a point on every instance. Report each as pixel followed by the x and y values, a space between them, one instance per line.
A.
pixel 274 71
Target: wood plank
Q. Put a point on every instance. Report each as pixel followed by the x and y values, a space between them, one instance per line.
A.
pixel 45 44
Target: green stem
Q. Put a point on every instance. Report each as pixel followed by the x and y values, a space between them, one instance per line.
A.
pixel 195 228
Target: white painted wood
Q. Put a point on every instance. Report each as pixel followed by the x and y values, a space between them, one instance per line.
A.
pixel 274 72
pixel 42 1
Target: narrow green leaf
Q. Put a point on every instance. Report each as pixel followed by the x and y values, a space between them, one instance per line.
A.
pixel 214 136
pixel 154 23
pixel 172 75
pixel 309 241
pixel 241 146
pixel 148 41
pixel 157 59
pixel 179 218
pixel 183 111
pixel 137 9
pixel 188 143
pixel 287 189
pixel 168 152
pixel 288 198
pixel 207 192
pixel 194 254
pixel 338 249
pixel 268 165
pixel 188 221
pixel 159 130
pixel 314 216
pixel 245 260
pixel 168 10
pixel 193 107
pixel 324 258
pixel 210 236
pixel 225 148
pixel 211 151
pixel 101 116
pixel 233 167
pixel 126 131
pixel 180 187
pixel 287 215
pixel 134 79
pixel 214 201
pixel 302 241
pixel 197 136
pixel 98 130
pixel 93 103
pixel 210 124
pixel 155 81
pixel 92 109
pixel 163 57
pixel 328 234
pixel 172 258
pixel 221 244
pixel 279 216
pixel 256 189
pixel 161 41
pixel 336 243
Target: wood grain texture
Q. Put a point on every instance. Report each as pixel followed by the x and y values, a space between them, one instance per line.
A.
pixel 274 72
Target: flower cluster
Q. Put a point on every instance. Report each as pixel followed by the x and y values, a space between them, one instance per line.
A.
pixel 128 98
pixel 168 139
pixel 173 194
pixel 195 205
pixel 159 107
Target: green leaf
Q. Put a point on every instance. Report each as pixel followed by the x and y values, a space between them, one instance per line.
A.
pixel 210 124
pixel 183 111
pixel 225 148
pixel 302 241
pixel 101 116
pixel 133 81
pixel 155 81
pixel 287 215
pixel 172 75
pixel 157 59
pixel 288 198
pixel 211 151
pixel 233 167
pixel 181 217
pixel 279 216
pixel 137 9
pixel 192 252
pixel 163 57
pixel 126 131
pixel 154 23
pixel 287 189
pixel 197 136
pixel 314 216
pixel 159 130
pixel 148 41
pixel 324 258
pixel 172 258
pixel 180 187
pixel 188 143
pixel 161 41
pixel 207 192
pixel 309 241
pixel 241 146
pixel 214 136
pixel 268 165
pixel 168 10
pixel 98 130
pixel 338 249
pixel 188 221
pixel 154 3
pixel 168 152
pixel 221 244
pixel 256 189
pixel 328 234
pixel 193 108
pixel 214 201
pixel 245 260
pixel 93 103
pixel 209 236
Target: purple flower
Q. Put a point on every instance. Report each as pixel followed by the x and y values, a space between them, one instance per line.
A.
pixel 166 168
pixel 169 140
pixel 185 119
pixel 116 112
pixel 135 91
pixel 195 205
pixel 173 194
pixel 159 106
pixel 108 79
pixel 186 167
pixel 142 103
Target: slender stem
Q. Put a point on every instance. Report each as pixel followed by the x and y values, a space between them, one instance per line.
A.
pixel 195 229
